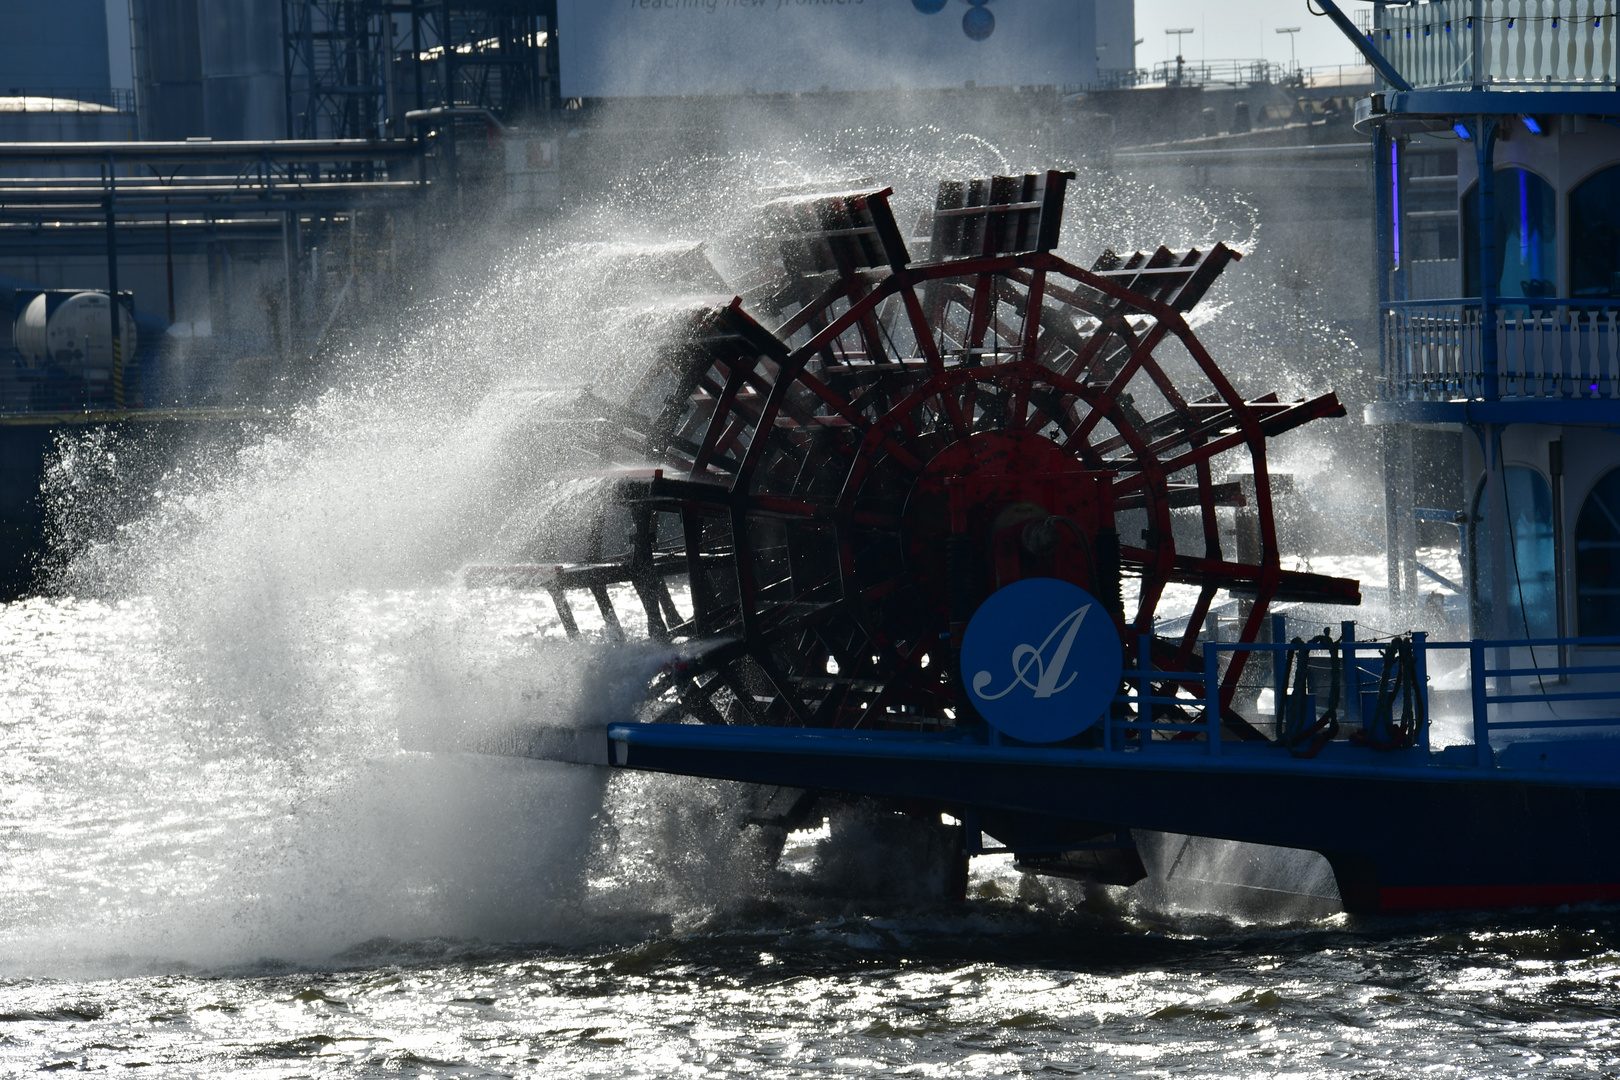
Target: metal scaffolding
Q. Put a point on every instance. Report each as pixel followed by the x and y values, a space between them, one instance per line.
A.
pixel 355 67
pixel 336 55
pixel 489 55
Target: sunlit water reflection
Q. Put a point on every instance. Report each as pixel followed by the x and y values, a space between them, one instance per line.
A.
pixel 195 891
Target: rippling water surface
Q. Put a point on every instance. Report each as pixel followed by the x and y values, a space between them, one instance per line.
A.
pixel 193 889
pixel 994 990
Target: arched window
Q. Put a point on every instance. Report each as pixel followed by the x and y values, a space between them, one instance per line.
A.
pixel 1526 236
pixel 1594 236
pixel 1532 584
pixel 1597 560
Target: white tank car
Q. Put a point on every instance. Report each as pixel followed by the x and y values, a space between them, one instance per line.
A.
pixel 76 337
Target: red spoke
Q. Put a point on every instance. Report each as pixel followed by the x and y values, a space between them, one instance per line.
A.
pixel 936 363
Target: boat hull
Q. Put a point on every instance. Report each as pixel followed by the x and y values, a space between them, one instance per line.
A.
pixel 1401 832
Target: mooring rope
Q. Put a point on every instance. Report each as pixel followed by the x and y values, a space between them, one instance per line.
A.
pixel 1399 676
pixel 1300 732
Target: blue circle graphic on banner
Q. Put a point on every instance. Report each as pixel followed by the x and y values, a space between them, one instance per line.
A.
pixel 1041 660
pixel 977 22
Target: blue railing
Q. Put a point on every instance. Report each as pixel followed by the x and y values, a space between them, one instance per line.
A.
pixel 1480 676
pixel 1490 686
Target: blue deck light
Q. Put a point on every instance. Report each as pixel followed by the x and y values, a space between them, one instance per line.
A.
pixel 1462 132
pixel 1534 127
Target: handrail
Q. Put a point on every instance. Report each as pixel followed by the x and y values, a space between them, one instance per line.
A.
pixel 1519 643
pixel 1549 348
pixel 1205 719
pixel 1505 301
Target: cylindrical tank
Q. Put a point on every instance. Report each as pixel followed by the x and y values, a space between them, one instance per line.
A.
pixel 243 69
pixel 28 332
pixel 168 69
pixel 210 68
pixel 57 46
pixel 74 334
pixel 42 119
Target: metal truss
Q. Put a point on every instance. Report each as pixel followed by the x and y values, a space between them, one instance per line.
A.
pixel 337 63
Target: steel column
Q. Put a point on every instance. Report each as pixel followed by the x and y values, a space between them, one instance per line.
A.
pixel 112 284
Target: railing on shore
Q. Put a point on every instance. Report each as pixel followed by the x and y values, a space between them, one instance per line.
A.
pixel 1221 72
pixel 1229 73
pixel 1554 348
pixel 1183 706
pixel 1565 44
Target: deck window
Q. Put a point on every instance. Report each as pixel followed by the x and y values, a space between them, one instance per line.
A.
pixel 1594 236
pixel 1597 560
pixel 1526 236
pixel 1532 584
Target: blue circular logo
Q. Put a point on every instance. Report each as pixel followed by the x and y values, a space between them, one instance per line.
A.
pixel 978 23
pixel 1042 660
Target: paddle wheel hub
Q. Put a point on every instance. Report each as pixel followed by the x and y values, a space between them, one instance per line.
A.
pixel 1023 507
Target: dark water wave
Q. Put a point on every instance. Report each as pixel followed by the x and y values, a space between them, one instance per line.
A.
pixel 988 990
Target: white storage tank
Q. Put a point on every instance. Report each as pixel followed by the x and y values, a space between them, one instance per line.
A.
pixel 28 332
pixel 73 332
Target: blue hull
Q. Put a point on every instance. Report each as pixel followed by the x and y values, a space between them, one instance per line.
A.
pixel 1403 830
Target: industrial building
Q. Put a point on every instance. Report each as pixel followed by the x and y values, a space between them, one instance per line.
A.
pixel 238 251
pixel 231 270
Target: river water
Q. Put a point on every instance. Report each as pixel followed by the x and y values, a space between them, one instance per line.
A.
pixel 995 991
pixel 196 884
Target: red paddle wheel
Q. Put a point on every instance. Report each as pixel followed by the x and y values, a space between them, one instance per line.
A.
pixel 822 482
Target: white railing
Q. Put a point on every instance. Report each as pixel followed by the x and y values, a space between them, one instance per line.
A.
pixel 1432 351
pixel 1563 43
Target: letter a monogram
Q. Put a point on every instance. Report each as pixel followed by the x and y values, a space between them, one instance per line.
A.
pixel 1025 657
pixel 1045 692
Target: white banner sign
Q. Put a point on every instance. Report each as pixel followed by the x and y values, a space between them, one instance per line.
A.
pixel 646 48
